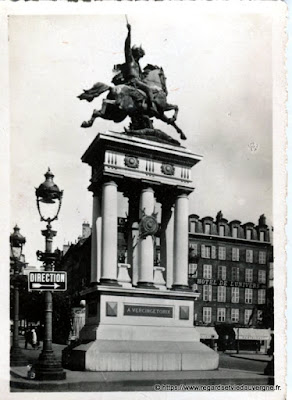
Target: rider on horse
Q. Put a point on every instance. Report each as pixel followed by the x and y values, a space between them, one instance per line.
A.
pixel 138 94
pixel 132 71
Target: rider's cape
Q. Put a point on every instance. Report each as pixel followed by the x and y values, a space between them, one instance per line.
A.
pixel 120 73
pixel 96 90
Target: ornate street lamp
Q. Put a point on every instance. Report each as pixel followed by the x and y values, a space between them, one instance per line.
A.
pixel 48 193
pixel 16 244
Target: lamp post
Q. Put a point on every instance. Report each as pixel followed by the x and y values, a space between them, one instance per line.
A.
pixel 16 244
pixel 237 341
pixel 48 367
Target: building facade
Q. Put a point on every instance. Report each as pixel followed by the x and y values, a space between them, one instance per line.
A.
pixel 229 266
pixel 76 262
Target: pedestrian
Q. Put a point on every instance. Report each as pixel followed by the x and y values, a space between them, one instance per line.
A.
pixel 38 333
pixel 212 343
pixel 271 348
pixel 27 337
pixel 225 343
pixel 34 339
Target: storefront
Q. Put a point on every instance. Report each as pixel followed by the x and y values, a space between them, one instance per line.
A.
pixel 208 336
pixel 251 339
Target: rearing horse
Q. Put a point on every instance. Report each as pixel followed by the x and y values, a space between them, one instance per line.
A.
pixel 125 100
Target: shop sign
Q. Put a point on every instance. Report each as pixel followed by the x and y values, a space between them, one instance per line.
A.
pixel 217 282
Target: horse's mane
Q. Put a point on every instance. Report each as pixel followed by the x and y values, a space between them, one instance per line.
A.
pixel 150 67
pixel 160 73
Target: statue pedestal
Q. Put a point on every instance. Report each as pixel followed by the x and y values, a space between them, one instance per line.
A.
pixel 140 330
pixel 140 325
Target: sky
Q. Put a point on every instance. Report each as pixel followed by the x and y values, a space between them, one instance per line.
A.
pixel 219 73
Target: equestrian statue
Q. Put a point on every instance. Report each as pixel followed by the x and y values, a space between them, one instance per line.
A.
pixel 139 94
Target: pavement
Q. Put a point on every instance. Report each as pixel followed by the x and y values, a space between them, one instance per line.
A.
pixel 234 369
pixel 86 381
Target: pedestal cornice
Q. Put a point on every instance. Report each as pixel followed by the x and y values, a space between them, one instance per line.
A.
pixel 140 292
pixel 119 156
pixel 123 142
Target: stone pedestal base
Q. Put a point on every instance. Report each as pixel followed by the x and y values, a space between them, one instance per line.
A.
pixel 135 329
pixel 142 355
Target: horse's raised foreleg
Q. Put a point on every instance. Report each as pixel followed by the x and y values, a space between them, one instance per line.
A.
pixel 95 114
pixel 170 107
pixel 89 123
pixel 170 121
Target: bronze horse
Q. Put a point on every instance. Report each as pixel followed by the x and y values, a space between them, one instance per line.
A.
pixel 126 100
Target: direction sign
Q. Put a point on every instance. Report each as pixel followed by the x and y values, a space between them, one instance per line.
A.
pixel 47 280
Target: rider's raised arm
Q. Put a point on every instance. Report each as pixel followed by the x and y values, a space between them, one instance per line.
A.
pixel 128 50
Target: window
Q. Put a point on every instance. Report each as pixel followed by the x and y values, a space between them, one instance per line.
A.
pixel 221 230
pixel 193 227
pixel 208 229
pixel 235 295
pixel 221 294
pixel 222 272
pixel 206 251
pixel 247 317
pixel 262 257
pixel 262 276
pixel 207 314
pixel 235 232
pixel 249 256
pixel 235 273
pixel 248 296
pixel 248 275
pixel 207 271
pixel 235 254
pixel 193 270
pixel 262 236
pixel 222 253
pixel 261 296
pixel 207 293
pixel 248 234
pixel 234 314
pixel 221 314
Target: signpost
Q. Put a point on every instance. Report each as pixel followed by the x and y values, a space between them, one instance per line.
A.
pixel 47 281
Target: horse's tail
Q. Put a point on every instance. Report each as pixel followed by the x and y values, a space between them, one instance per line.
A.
pixel 96 90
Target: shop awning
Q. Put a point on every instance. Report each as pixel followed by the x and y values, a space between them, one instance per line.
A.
pixel 207 332
pixel 252 334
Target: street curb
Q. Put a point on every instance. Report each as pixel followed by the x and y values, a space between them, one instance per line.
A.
pixel 131 385
pixel 249 358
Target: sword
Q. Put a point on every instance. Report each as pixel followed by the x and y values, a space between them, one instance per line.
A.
pixel 128 25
